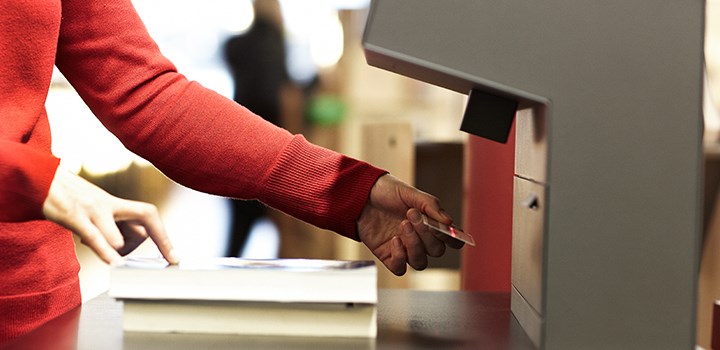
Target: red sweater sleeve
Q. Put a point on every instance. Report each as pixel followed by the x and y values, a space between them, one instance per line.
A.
pixel 195 136
pixel 27 173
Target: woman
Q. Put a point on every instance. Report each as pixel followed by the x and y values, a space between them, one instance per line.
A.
pixel 195 136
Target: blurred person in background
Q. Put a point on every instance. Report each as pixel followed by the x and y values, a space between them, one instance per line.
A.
pixel 257 63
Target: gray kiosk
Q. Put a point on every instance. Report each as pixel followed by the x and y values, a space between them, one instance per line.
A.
pixel 607 215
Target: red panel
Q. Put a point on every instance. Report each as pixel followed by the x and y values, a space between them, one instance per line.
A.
pixel 487 214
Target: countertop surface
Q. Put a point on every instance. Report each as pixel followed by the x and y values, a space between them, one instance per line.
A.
pixel 407 319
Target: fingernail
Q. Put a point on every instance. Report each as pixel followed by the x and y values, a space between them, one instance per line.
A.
pixel 173 257
pixel 117 262
pixel 396 242
pixel 415 217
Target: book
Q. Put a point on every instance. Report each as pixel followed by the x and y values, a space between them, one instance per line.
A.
pixel 251 318
pixel 227 279
pixel 273 297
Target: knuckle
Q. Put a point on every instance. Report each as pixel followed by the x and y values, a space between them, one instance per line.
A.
pixel 117 244
pixel 147 209
pixel 420 264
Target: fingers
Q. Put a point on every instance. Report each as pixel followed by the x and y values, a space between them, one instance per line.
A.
pixel 425 203
pixel 147 216
pixel 92 237
pixel 109 229
pixel 449 241
pixel 416 253
pixel 391 225
pixel 94 215
pixel 433 244
pixel 398 258
pixel 133 234
pixel 120 228
pixel 436 212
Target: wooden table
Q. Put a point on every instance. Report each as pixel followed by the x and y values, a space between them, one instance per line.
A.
pixel 406 320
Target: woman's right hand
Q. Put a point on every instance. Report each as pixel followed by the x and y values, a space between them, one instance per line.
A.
pixel 109 225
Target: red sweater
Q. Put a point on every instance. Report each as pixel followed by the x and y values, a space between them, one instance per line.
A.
pixel 192 134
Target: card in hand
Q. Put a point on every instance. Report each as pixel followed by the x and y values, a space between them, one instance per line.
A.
pixel 452 230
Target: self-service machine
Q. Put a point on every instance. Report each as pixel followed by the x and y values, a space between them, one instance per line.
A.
pixel 606 99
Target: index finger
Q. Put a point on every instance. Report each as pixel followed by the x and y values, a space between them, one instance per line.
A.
pixel 430 206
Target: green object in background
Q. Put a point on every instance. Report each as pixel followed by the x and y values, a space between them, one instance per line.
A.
pixel 325 110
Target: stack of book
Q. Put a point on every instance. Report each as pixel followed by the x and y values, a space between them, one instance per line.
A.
pixel 293 297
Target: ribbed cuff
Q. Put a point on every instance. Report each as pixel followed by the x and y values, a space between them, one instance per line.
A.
pixel 322 187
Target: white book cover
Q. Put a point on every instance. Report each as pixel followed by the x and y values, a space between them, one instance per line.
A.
pixel 270 280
